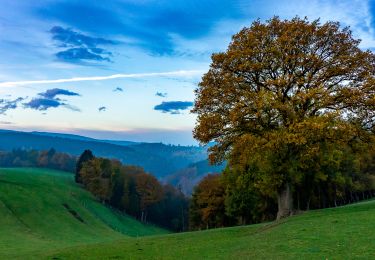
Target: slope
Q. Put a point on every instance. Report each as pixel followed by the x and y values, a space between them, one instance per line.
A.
pixel 338 233
pixel 44 209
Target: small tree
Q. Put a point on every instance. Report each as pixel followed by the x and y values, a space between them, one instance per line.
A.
pixel 85 156
pixel 207 209
pixel 149 191
pixel 280 90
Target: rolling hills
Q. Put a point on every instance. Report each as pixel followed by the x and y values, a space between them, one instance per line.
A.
pixel 156 158
pixel 45 209
pixel 338 233
pixel 35 223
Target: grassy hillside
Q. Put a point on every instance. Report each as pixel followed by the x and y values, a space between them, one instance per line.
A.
pixel 340 233
pixel 35 224
pixel 44 209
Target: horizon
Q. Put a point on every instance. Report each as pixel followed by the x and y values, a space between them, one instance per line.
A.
pixel 122 70
pixel 98 137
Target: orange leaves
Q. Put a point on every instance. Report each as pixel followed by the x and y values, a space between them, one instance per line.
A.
pixel 286 100
pixel 208 202
pixel 149 189
pixel 277 76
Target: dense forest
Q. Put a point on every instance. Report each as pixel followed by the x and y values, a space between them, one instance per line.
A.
pixel 133 191
pixel 240 195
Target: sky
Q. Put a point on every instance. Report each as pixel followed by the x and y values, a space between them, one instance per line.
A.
pixel 127 69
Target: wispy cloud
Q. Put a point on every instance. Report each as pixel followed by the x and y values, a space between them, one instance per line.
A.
pixel 52 93
pixel 118 89
pixel 6 104
pixel 146 22
pixel 173 107
pixel 5 123
pixel 43 104
pixel 180 73
pixel 78 47
pixel 49 99
pixel 102 109
pixel 69 38
pixel 161 94
pixel 79 54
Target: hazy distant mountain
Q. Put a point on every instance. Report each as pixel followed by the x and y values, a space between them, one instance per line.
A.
pixel 123 143
pixel 84 138
pixel 188 177
pixel 159 159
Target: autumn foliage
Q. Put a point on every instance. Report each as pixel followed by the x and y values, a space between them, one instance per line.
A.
pixel 291 104
pixel 207 207
pixel 133 191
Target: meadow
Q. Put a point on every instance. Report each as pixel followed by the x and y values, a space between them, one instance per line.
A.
pixel 45 215
pixel 42 210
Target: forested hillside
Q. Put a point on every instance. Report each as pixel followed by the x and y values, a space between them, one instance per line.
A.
pixel 156 158
pixel 42 159
pixel 133 191
pixel 187 178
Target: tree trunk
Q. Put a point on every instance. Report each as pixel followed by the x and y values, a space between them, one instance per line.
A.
pixel 285 202
pixel 308 204
pixel 298 207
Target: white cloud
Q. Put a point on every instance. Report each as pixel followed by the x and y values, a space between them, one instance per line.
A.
pixel 180 73
pixel 353 13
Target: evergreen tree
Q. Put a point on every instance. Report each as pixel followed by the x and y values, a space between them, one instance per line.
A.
pixel 85 156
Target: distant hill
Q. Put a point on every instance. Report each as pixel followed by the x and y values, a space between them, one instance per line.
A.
pixel 190 176
pixel 84 138
pixel 68 136
pixel 156 158
pixel 46 209
pixel 124 143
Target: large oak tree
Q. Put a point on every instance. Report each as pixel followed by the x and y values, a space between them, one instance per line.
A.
pixel 282 92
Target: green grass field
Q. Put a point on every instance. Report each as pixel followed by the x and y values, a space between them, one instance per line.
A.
pixel 37 209
pixel 34 224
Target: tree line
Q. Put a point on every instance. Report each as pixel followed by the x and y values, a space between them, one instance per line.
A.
pixel 241 195
pixel 33 158
pixel 133 191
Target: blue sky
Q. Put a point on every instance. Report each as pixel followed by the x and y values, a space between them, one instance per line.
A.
pixel 127 69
